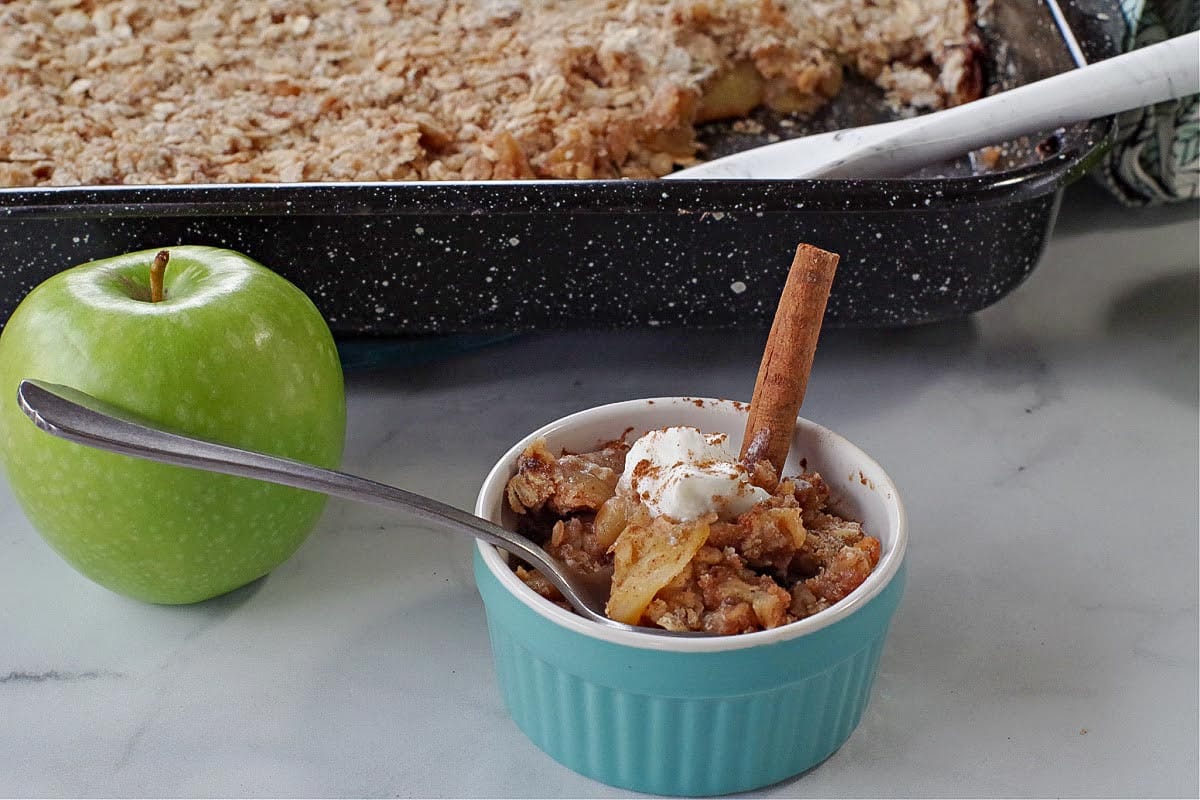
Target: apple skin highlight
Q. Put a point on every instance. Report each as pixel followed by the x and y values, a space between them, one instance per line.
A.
pixel 233 353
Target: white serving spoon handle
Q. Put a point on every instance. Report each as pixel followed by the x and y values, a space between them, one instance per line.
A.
pixel 1164 71
pixel 1153 74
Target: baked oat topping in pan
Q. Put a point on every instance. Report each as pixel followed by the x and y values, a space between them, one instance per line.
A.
pixel 140 92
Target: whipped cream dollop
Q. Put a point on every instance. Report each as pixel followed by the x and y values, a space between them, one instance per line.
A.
pixel 684 474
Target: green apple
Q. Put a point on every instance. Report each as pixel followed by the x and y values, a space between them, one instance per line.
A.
pixel 233 353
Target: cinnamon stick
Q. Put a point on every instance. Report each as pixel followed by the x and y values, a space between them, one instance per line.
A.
pixel 788 357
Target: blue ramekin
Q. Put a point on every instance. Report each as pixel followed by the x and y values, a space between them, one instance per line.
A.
pixel 697 716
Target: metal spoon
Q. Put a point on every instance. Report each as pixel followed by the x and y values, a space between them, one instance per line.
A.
pixel 1162 71
pixel 81 418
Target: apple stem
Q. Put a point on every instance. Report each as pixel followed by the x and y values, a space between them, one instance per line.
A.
pixel 156 275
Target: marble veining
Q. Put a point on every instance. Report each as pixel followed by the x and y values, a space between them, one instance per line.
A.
pixel 57 676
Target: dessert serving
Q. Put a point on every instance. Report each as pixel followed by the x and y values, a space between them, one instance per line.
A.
pixel 701 541
pixel 695 539
pixel 135 92
pixel 691 714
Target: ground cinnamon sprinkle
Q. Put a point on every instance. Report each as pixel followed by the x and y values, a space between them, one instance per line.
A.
pixel 140 92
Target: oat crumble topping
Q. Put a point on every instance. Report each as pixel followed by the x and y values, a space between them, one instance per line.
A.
pixel 140 92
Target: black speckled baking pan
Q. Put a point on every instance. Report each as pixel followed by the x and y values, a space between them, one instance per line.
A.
pixel 428 258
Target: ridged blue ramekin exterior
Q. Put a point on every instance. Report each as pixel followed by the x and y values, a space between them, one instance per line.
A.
pixel 685 723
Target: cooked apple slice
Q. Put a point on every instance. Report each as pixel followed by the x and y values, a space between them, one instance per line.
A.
pixel 645 559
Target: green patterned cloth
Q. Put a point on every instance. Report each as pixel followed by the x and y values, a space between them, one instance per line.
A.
pixel 1156 158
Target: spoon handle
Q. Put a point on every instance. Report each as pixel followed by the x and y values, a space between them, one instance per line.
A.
pixel 1160 72
pixel 78 417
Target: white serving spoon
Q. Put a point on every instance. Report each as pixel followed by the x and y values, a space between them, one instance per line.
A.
pixel 1153 74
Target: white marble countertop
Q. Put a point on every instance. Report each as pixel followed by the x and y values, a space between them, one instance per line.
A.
pixel 1046 645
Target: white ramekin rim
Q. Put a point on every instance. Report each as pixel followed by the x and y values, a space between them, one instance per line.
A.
pixel 876 582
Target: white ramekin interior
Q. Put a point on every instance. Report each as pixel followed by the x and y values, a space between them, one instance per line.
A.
pixel 860 489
